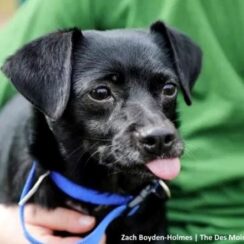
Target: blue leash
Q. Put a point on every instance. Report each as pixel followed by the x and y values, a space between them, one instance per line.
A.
pixel 84 194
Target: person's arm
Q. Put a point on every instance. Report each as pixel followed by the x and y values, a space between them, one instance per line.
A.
pixel 42 224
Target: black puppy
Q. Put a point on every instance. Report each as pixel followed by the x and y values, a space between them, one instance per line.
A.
pixel 103 114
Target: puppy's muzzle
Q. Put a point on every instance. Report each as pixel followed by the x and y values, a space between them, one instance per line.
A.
pixel 155 140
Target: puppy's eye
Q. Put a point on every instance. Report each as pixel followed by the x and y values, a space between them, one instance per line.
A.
pixel 100 93
pixel 169 90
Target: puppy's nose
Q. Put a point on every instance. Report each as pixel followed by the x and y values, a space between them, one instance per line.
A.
pixel 156 140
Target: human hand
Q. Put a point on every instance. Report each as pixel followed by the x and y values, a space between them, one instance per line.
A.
pixel 42 223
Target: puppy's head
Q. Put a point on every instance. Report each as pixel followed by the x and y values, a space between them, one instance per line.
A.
pixel 111 95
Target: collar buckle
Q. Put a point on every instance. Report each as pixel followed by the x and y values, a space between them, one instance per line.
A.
pixel 157 187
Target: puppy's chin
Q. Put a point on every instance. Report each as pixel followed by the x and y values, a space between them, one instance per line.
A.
pixel 132 179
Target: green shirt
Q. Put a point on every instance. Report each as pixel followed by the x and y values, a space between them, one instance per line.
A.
pixel 208 196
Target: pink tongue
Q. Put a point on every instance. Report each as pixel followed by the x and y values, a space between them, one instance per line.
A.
pixel 166 169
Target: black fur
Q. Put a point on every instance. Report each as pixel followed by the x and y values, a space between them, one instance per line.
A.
pixel 95 143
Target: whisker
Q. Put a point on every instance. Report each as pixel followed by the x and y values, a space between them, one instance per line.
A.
pixel 74 169
pixel 93 154
pixel 74 151
pixel 96 139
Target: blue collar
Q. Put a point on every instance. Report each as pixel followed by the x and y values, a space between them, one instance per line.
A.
pixel 124 204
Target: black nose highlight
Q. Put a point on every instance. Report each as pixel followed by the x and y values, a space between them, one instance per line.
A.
pixel 156 140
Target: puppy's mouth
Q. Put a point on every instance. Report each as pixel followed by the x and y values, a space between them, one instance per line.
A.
pixel 126 159
pixel 163 168
pixel 166 169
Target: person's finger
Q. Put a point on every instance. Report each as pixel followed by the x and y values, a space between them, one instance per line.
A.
pixel 60 219
pixel 45 235
pixel 59 240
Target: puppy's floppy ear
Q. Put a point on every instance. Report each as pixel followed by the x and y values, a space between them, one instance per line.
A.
pixel 41 71
pixel 187 56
